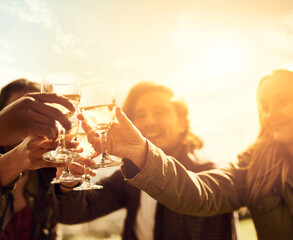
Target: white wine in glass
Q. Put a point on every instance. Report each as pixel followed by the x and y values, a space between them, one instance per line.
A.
pixel 66 84
pixel 97 106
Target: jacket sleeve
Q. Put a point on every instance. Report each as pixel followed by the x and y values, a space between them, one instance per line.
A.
pixel 8 188
pixel 203 194
pixel 81 206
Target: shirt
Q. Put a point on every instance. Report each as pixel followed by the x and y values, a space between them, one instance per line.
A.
pixel 145 218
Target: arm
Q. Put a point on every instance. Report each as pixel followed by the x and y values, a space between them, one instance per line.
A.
pixel 201 194
pixel 90 204
pixel 164 178
pixel 25 156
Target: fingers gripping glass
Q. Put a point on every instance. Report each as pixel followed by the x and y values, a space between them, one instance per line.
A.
pixel 97 105
pixel 87 184
pixel 66 84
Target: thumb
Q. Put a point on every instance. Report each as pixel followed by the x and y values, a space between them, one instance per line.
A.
pixel 85 126
pixel 122 118
pixel 58 172
pixel 80 117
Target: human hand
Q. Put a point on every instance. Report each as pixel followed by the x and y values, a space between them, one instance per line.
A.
pixel 77 168
pixel 29 153
pixel 25 156
pixel 30 116
pixel 123 139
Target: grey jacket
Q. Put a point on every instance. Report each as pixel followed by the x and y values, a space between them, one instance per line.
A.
pixel 213 192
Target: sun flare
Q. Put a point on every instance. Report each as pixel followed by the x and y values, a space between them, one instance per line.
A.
pixel 224 59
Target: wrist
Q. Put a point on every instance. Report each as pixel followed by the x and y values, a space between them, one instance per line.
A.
pixel 140 155
pixel 70 187
pixel 63 189
pixel 9 169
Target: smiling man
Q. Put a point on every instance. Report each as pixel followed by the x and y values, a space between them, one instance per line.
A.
pixel 162 118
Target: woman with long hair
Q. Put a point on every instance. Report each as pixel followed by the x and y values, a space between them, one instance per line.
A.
pixel 261 179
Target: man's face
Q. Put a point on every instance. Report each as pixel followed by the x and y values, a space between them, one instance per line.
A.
pixel 156 118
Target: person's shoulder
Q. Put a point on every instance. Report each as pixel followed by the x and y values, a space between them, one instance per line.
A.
pixel 201 155
pixel 201 160
pixel 244 158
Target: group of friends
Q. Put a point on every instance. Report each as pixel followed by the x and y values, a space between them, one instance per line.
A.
pixel 170 189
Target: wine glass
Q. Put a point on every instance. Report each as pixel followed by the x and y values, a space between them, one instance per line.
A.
pixel 66 84
pixel 97 106
pixel 87 152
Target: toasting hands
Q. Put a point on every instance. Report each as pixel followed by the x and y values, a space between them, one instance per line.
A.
pixel 123 140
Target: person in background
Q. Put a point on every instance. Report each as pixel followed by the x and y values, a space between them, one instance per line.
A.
pixel 261 179
pixel 26 126
pixel 162 117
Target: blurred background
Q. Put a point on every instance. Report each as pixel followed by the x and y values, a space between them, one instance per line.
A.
pixel 212 52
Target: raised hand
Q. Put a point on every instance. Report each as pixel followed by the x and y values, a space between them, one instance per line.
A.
pixel 124 140
pixel 25 156
pixel 77 169
pixel 30 116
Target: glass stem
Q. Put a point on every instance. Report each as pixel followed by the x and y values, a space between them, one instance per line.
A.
pixel 66 172
pixel 103 140
pixel 61 138
pixel 87 177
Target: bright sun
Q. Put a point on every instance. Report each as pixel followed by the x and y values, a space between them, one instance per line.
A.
pixel 225 58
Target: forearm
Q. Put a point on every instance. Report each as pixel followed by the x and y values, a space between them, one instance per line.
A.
pixel 70 208
pixel 138 154
pixel 90 204
pixel 10 168
pixel 205 194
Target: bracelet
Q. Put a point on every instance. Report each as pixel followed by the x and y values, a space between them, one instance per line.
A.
pixel 77 185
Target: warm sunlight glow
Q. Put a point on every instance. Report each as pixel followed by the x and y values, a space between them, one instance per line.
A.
pixel 223 56
pixel 226 59
pixel 213 54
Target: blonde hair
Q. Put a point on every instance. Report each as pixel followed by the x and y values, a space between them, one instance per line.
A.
pixel 270 162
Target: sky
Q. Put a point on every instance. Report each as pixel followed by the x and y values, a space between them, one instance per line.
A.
pixel 212 52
